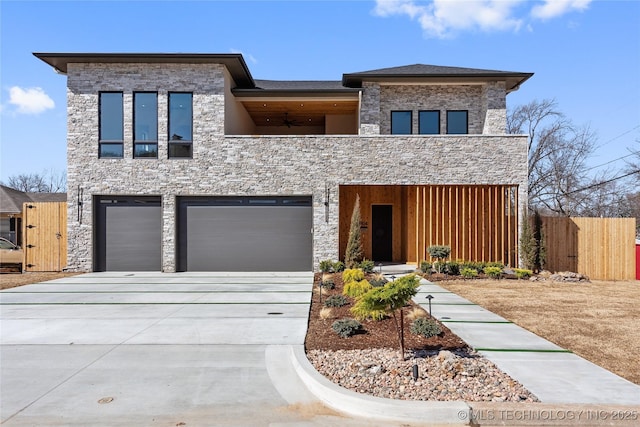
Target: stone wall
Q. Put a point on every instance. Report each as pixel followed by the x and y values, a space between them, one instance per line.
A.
pixel 249 165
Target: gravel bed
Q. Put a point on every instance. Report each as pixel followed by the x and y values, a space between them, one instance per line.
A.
pixel 460 375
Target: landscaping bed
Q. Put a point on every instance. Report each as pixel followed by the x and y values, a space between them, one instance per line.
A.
pixel 369 362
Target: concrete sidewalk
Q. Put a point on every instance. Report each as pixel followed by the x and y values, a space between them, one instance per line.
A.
pixel 553 374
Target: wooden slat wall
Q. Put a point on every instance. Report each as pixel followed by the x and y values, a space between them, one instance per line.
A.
pixel 600 248
pixel 480 223
pixel 45 236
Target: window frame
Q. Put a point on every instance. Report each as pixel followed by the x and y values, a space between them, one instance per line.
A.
pixel 410 122
pixel 150 142
pixel 420 122
pixel 182 142
pixel 117 143
pixel 467 122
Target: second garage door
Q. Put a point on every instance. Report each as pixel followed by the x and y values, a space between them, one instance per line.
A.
pixel 245 234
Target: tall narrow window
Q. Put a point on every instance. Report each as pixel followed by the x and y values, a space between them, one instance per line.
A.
pixel 458 122
pixel 429 122
pixel 145 124
pixel 111 125
pixel 401 122
pixel 180 125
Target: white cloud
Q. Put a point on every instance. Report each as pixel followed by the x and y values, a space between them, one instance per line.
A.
pixel 554 8
pixel 444 18
pixel 248 56
pixel 31 100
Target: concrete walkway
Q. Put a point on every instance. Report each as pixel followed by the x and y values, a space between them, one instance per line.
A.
pixel 553 374
pixel 202 349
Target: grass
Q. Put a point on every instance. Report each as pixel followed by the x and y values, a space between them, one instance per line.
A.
pixel 597 321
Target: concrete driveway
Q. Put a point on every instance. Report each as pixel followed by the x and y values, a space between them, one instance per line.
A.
pixel 137 349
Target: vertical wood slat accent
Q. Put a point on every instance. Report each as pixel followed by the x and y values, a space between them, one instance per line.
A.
pixel 479 222
pixel 600 248
pixel 45 242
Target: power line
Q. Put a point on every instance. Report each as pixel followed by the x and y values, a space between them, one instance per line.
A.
pixel 619 136
pixel 603 182
pixel 614 160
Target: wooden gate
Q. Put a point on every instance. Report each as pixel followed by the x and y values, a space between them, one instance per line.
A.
pixel 44 236
pixel 600 248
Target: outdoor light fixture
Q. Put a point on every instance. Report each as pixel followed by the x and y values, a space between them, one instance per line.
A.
pixel 415 372
pixel 326 203
pixel 429 297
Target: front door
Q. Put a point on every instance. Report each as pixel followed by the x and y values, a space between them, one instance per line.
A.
pixel 381 232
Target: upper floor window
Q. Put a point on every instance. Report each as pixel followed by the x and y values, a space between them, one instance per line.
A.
pixel 401 122
pixel 111 118
pixel 457 122
pixel 145 124
pixel 429 122
pixel 180 124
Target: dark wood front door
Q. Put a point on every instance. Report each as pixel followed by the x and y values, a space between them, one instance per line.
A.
pixel 381 232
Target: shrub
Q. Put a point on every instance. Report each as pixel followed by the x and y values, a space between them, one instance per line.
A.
pixel 522 273
pixel 335 301
pixel 452 268
pixel 495 264
pixel 469 273
pixel 326 266
pixel 356 289
pixel 353 253
pixel 493 272
pixel 367 266
pixel 440 253
pixel 328 283
pixel 352 275
pixel 338 266
pixel 346 327
pixel 425 267
pixel 416 313
pixel 378 280
pixel 425 327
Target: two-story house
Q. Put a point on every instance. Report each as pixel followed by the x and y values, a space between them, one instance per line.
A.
pixel 185 162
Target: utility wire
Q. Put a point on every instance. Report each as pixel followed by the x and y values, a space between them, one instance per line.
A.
pixel 603 182
pixel 633 153
pixel 616 137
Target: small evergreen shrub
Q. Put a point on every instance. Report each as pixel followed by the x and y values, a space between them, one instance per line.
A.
pixel 495 264
pixel 355 289
pixel 346 327
pixel 439 252
pixel 452 268
pixel 378 280
pixel 425 267
pixel 352 275
pixel 328 284
pixel 425 327
pixel 335 301
pixel 338 266
pixel 493 272
pixel 367 266
pixel 469 273
pixel 522 273
pixel 326 266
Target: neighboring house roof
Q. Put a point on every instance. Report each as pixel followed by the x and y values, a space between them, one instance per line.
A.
pixel 11 200
pixel 247 86
pixel 423 72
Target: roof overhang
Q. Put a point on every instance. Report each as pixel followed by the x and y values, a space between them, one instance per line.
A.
pixel 233 61
pixel 512 80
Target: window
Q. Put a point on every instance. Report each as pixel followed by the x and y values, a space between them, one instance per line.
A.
pixel 429 122
pixel 458 122
pixel 111 118
pixel 145 124
pixel 401 122
pixel 180 125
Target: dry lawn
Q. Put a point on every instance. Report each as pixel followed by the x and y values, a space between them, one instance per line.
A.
pixel 599 321
pixel 11 280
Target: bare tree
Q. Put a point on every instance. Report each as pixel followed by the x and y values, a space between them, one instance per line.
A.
pixel 45 182
pixel 557 153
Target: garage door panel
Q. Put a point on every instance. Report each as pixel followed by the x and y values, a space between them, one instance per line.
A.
pixel 247 238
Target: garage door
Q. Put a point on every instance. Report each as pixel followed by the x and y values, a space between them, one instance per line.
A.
pixel 128 234
pixel 245 234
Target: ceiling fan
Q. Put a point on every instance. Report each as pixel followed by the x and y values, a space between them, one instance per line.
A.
pixel 288 123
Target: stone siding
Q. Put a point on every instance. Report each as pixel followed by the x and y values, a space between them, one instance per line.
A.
pixel 250 165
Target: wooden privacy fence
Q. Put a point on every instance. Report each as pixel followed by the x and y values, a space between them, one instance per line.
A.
pixel 44 236
pixel 600 248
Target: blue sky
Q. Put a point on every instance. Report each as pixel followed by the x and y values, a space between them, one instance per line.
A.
pixel 585 54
